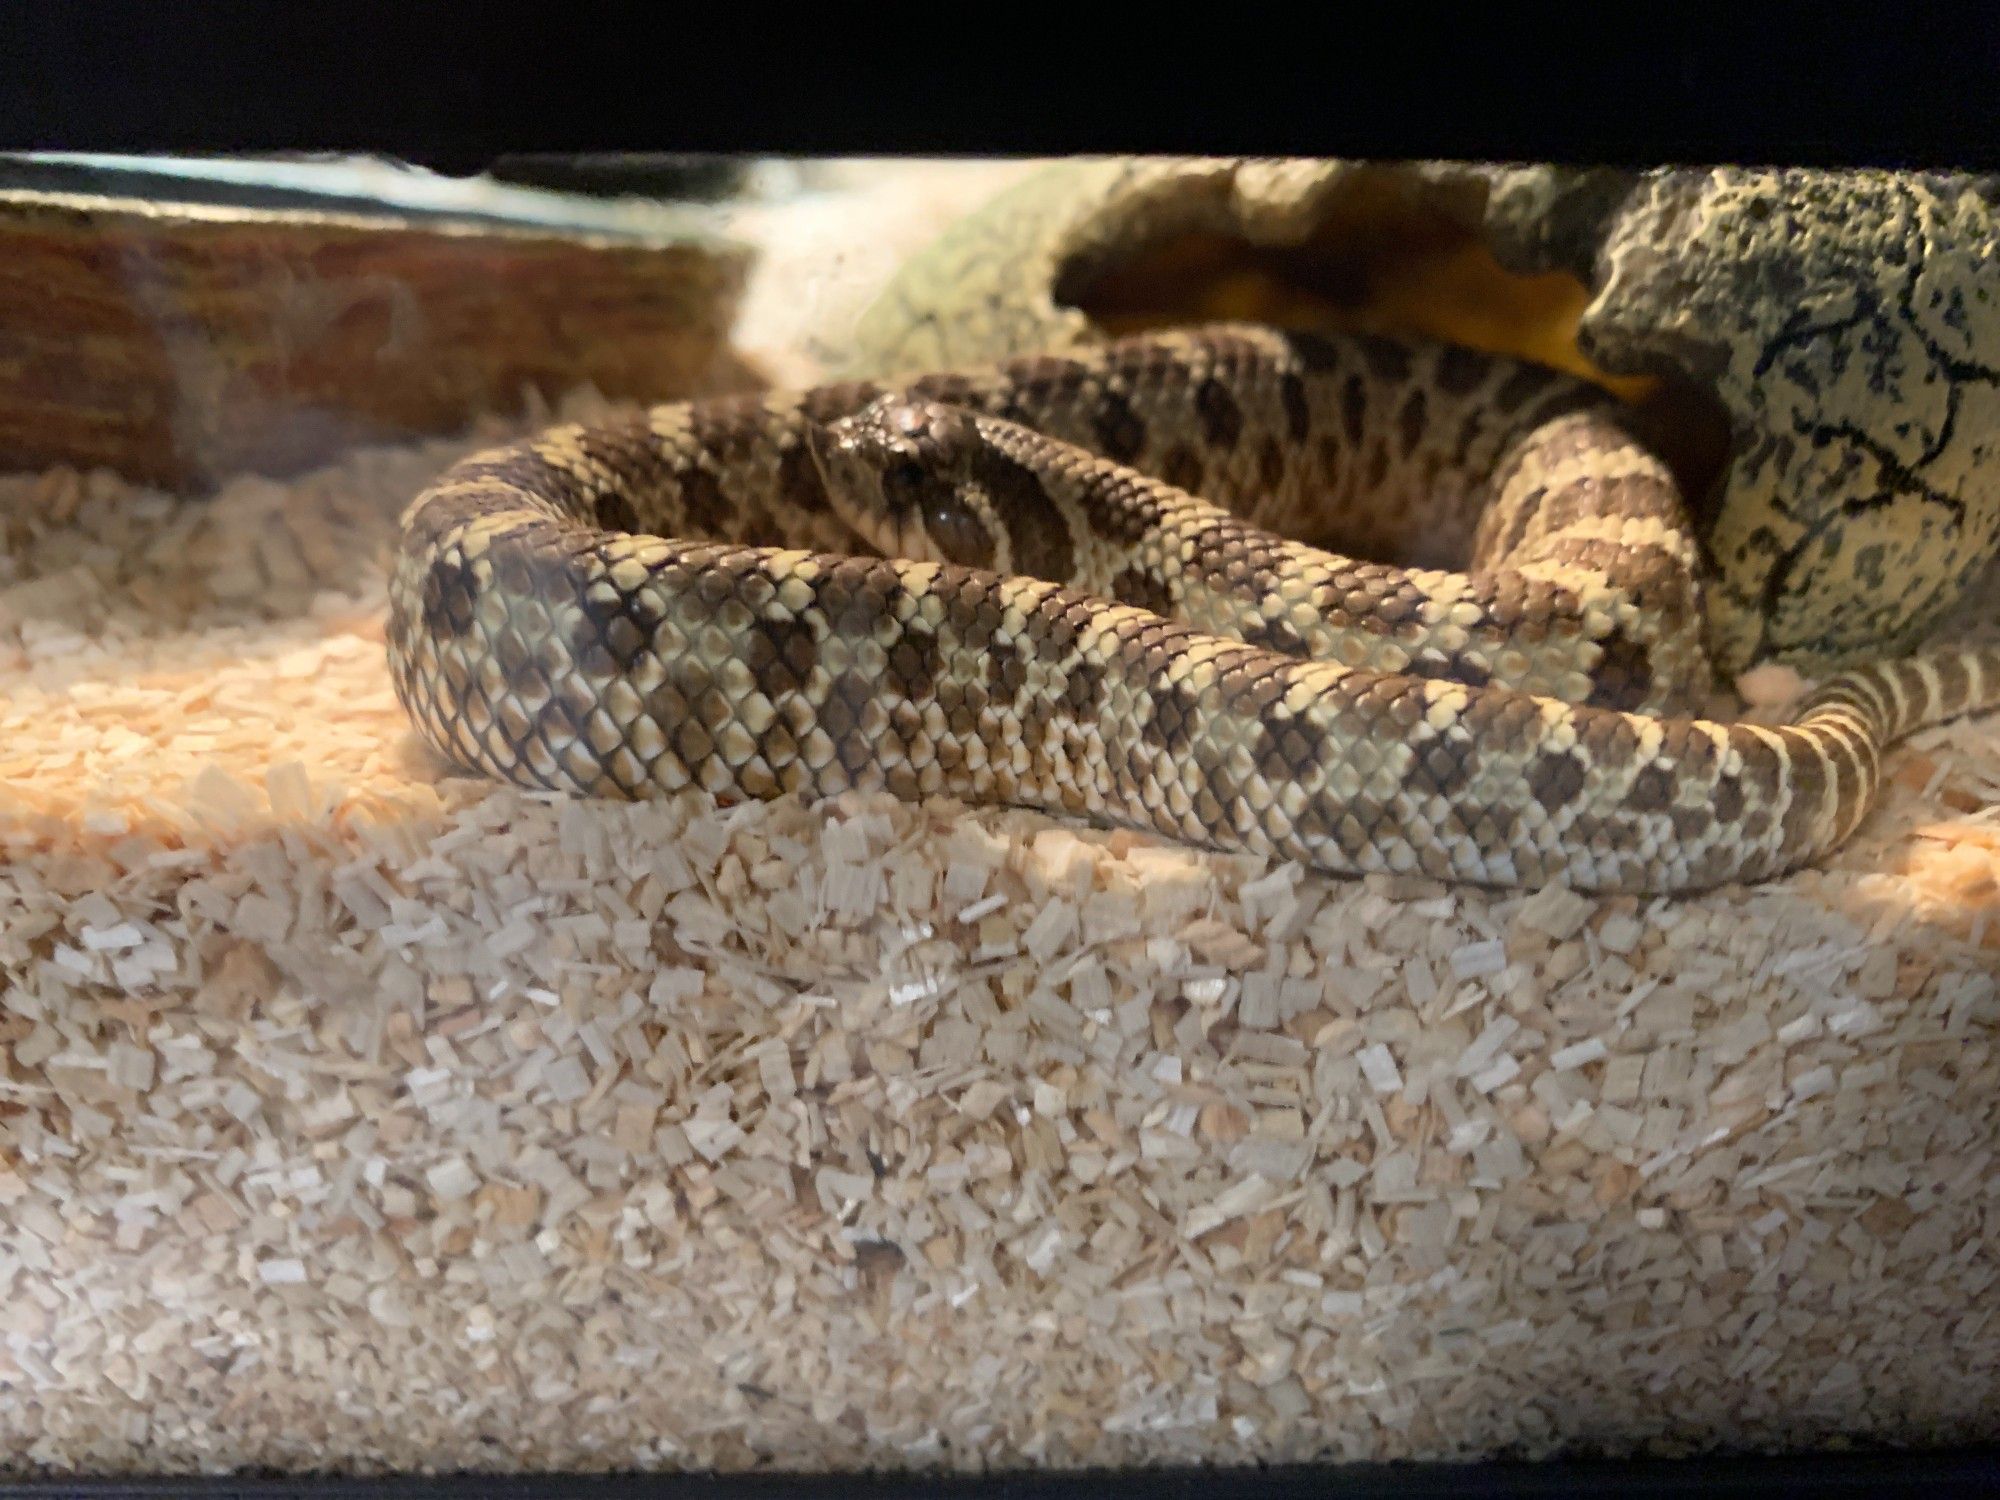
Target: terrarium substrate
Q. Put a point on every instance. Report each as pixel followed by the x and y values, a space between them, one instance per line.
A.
pixel 355 1115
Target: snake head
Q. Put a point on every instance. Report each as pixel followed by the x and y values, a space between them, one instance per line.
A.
pixel 903 473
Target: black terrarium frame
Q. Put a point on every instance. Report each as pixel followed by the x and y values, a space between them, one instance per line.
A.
pixel 459 92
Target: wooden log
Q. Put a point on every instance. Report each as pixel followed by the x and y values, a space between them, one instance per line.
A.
pixel 178 343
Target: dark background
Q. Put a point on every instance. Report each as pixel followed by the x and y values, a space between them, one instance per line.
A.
pixel 452 85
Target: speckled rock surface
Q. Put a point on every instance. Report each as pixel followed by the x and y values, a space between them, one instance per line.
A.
pixel 1850 324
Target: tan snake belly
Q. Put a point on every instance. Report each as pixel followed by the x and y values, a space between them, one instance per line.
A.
pixel 641 606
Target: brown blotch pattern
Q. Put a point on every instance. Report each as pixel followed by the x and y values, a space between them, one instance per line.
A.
pixel 1555 778
pixel 1297 407
pixel 1314 353
pixel 613 628
pixel 1651 790
pixel 800 485
pixel 1455 666
pixel 1083 692
pixel 1354 409
pixel 1221 417
pixel 1270 464
pixel 1460 371
pixel 1121 432
pixel 1174 715
pixel 916 662
pixel 448 598
pixel 1524 385
pixel 1411 420
pixel 705 508
pixel 1143 589
pixel 1182 467
pixel 1387 361
pixel 1005 671
pixel 781 654
pixel 1623 677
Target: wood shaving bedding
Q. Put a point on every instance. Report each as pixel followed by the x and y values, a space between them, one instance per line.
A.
pixel 356 1116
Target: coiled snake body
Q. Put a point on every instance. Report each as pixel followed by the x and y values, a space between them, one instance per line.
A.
pixel 678 600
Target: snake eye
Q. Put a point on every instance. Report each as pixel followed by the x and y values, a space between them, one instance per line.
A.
pixel 957 533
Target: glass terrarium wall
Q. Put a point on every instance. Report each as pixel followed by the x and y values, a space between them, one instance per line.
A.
pixel 986 1042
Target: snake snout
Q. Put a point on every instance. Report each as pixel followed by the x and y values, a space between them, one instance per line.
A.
pixel 852 478
pixel 905 429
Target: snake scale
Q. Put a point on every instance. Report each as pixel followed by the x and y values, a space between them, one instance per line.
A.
pixel 1095 612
